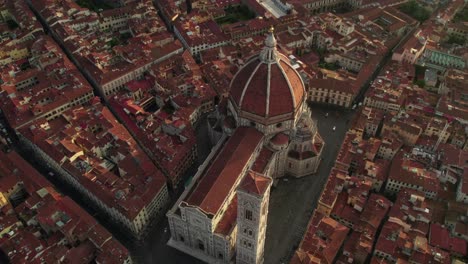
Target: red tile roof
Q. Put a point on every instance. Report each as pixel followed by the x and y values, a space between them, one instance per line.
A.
pixel 52 87
pixel 333 84
pixel 302 257
pixel 358 245
pixel 72 132
pixel 267 90
pixel 324 239
pixel 226 224
pixel 333 187
pixel 255 94
pixel 56 213
pixel 377 260
pixel 464 182
pixel 414 173
pixel 215 185
pixel 459 246
pixel 439 236
pixel 262 160
pixel 389 238
pixel 81 254
pixel 412 204
pixel 255 183
pixel 280 139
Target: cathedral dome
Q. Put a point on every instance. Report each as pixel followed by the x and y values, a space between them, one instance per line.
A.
pixel 267 86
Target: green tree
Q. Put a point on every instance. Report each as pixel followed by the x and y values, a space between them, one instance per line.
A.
pixel 454 39
pixel 114 42
pixel 462 15
pixel 415 10
pixel 420 83
pixel 12 24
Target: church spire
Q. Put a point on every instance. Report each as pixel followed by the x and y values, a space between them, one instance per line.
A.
pixel 269 52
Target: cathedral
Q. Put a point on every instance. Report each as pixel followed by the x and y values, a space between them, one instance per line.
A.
pixel 262 132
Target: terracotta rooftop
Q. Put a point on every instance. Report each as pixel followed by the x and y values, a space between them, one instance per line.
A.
pixel 59 215
pixel 255 183
pixel 218 181
pixel 324 239
pixel 228 222
pixel 118 184
pixel 280 139
pixel 268 86
pixel 262 160
pixel 414 173
pixel 439 236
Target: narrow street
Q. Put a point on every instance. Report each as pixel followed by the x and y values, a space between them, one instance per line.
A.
pixel 154 249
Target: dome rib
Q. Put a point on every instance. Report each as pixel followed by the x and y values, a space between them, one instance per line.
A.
pixel 237 83
pixel 267 110
pixel 267 89
pixel 293 78
pixel 280 95
pixel 289 83
pixel 247 84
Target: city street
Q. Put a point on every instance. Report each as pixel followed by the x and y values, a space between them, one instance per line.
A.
pixel 154 249
pixel 293 201
pixel 291 205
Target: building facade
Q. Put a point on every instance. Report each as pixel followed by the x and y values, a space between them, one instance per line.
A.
pixel 263 131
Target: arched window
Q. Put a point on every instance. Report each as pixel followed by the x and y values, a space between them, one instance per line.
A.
pixel 248 214
pixel 201 245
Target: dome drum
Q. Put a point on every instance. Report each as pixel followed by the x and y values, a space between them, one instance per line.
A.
pixel 272 126
pixel 265 120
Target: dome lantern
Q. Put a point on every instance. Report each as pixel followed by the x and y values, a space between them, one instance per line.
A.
pixel 269 53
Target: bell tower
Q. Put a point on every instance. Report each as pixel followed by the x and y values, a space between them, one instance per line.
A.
pixel 253 195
